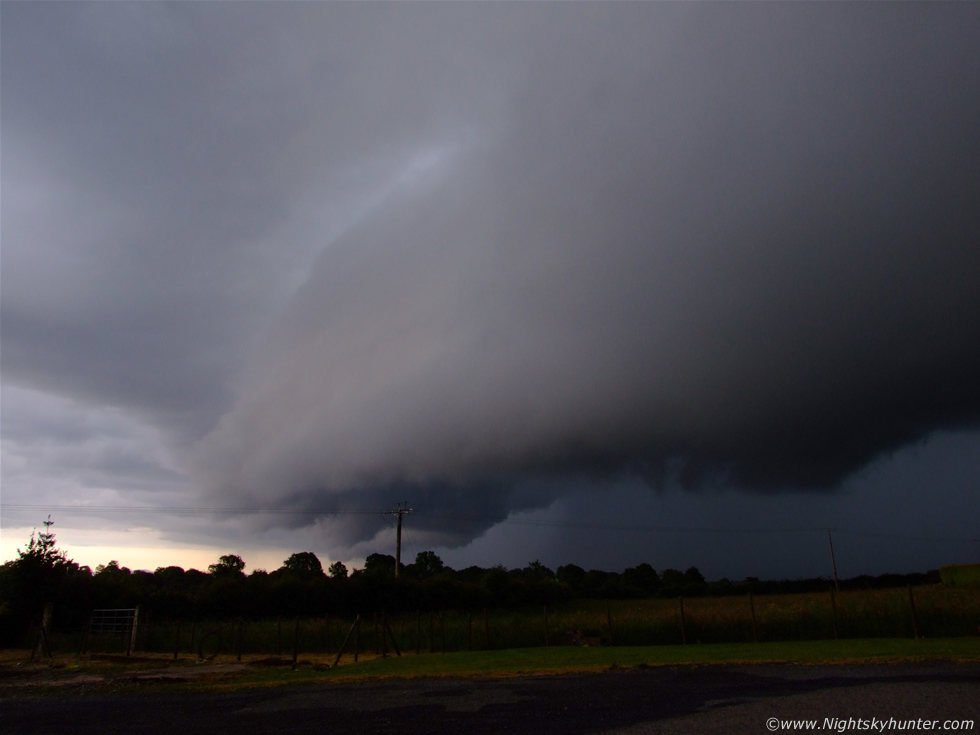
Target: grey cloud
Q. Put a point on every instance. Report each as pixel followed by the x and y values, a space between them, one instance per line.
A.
pixel 467 255
pixel 58 452
pixel 170 172
pixel 750 261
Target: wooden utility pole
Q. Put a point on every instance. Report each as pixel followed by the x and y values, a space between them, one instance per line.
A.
pixel 401 511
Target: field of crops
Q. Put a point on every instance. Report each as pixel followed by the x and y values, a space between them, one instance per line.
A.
pixel 931 611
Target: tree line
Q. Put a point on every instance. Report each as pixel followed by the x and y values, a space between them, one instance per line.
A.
pixel 42 574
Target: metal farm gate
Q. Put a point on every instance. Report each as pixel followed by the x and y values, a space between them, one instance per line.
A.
pixel 120 623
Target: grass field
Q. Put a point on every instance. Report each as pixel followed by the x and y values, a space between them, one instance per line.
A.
pixel 225 672
pixel 939 612
pixel 571 658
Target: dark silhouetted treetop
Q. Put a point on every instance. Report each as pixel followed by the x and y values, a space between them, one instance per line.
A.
pixel 536 572
pixel 672 579
pixel 228 565
pixel 643 577
pixel 571 575
pixel 427 564
pixel 39 575
pixel 694 577
pixel 42 551
pixel 379 564
pixel 112 568
pixel 304 564
pixel 337 570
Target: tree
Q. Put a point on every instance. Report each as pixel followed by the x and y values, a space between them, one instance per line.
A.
pixel 228 565
pixel 427 564
pixel 337 570
pixel 37 576
pixel 496 581
pixel 304 564
pixel 379 564
pixel 112 568
pixel 571 575
pixel 642 577
pixel 42 550
pixel 672 582
pixel 537 572
pixel 42 568
pixel 694 579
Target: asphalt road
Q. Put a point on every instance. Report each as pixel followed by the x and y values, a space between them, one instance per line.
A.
pixel 709 699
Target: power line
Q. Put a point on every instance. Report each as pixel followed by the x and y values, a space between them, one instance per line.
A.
pixel 195 510
pixel 471 518
pixel 184 510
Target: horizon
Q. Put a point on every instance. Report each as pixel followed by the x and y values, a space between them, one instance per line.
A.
pixel 211 556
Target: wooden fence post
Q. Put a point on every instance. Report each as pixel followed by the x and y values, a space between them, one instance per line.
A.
pixel 432 636
pixel 46 617
pixel 42 642
pixel 833 612
pixel 486 627
pixel 755 630
pixel 394 643
pixel 418 632
pixel 546 641
pixel 132 632
pixel 295 642
pixel 384 637
pixel 469 630
pixel 353 629
pixel 239 638
pixel 609 622
pixel 278 636
pixel 357 637
pixel 177 640
pixel 85 634
pixel 683 622
pixel 915 621
pixel 147 626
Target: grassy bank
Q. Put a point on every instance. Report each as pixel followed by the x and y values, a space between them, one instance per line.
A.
pixel 571 659
pixel 225 672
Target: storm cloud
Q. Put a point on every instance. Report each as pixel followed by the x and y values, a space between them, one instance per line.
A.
pixel 473 256
pixel 740 249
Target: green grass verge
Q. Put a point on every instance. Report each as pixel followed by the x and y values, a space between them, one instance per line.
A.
pixel 567 660
pixel 225 674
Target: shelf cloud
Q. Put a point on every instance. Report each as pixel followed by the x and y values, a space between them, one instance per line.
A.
pixel 471 256
pixel 705 249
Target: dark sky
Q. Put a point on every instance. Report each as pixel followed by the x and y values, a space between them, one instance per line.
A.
pixel 605 283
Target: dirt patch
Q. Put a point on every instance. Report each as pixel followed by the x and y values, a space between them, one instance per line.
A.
pixel 107 670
